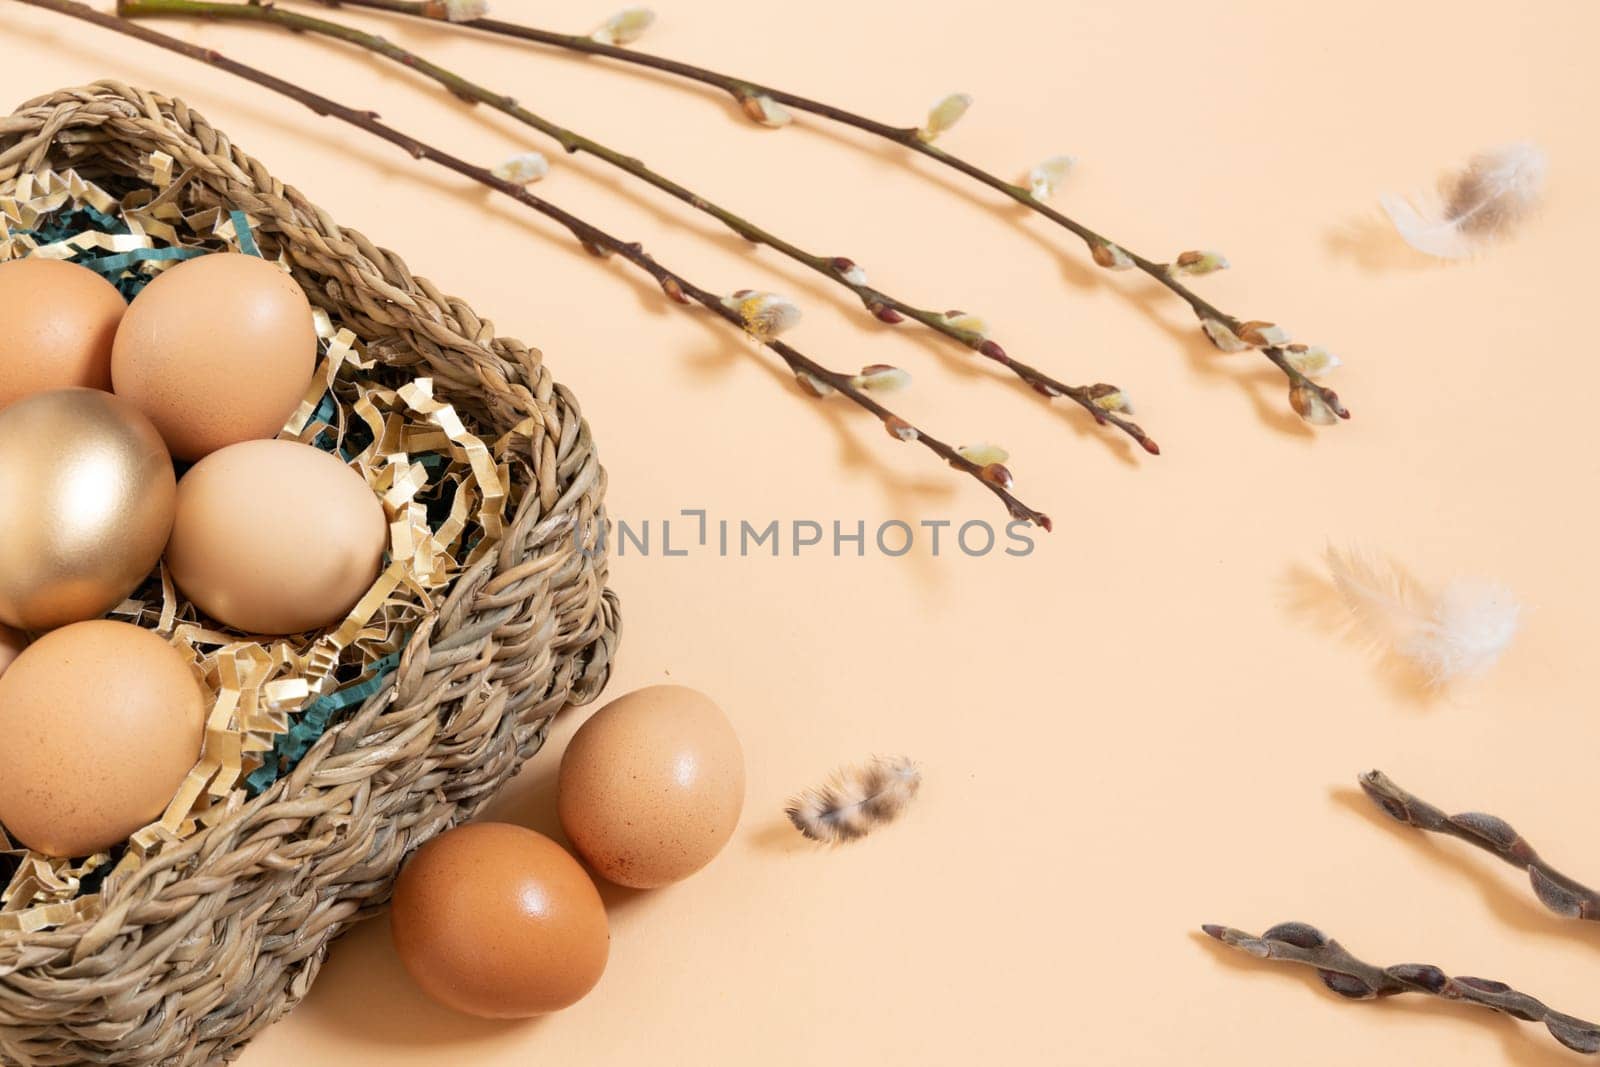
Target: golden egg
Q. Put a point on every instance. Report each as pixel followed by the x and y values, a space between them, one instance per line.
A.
pixel 102 722
pixel 87 495
pixel 216 350
pixel 276 537
pixel 57 327
pixel 652 786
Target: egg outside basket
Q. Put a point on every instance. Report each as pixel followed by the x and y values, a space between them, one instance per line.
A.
pixel 221 934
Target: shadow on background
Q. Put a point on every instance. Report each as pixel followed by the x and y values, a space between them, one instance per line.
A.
pixel 1370 242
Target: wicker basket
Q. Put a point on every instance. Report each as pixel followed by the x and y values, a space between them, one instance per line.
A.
pixel 221 934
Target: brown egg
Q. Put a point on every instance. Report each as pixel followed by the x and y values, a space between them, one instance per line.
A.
pixel 102 721
pixel 57 327
pixel 498 921
pixel 652 786
pixel 216 350
pixel 87 495
pixel 275 537
pixel 12 642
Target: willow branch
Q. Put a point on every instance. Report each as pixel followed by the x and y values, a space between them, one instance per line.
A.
pixel 837 269
pixel 1565 896
pixel 750 94
pixel 592 237
pixel 1352 978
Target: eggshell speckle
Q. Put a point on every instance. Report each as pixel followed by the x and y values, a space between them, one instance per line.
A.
pixel 652 786
pixel 57 322
pixel 275 537
pixel 102 721
pixel 216 350
pixel 499 921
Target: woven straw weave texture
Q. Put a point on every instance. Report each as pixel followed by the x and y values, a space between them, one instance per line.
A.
pixel 220 935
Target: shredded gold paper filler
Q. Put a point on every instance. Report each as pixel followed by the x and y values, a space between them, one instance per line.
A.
pixel 414 451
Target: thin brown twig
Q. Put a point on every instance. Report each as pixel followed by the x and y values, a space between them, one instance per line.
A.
pixel 1351 977
pixel 1357 980
pixel 673 284
pixel 1565 896
pixel 837 269
pixel 749 94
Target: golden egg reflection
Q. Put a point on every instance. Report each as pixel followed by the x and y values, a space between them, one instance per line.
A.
pixel 87 497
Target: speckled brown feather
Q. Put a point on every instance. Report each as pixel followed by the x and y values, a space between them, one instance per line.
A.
pixel 855 800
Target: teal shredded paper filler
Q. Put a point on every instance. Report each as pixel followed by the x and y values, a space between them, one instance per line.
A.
pixel 247 237
pixel 290 747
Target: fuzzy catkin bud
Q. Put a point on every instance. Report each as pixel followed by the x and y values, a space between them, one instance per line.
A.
pixel 1311 360
pixel 1044 178
pixel 763 109
pixel 1195 263
pixel 943 115
pixel 625 27
pixel 881 378
pixel 1110 256
pixel 1109 398
pixel 970 324
pixel 983 454
pixel 1262 334
pixel 848 269
pixel 458 10
pixel 1221 336
pixel 900 429
pixel 1308 403
pixel 812 384
pixel 765 315
pixel 523 168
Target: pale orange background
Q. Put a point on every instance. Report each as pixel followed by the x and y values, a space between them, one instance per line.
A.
pixel 1143 726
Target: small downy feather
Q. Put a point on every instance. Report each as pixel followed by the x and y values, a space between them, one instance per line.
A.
pixel 1454 632
pixel 1481 203
pixel 855 800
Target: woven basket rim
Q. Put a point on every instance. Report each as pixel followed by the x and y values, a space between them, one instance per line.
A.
pixel 529 629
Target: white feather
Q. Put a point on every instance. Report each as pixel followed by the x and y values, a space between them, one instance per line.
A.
pixel 1459 631
pixel 1482 202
